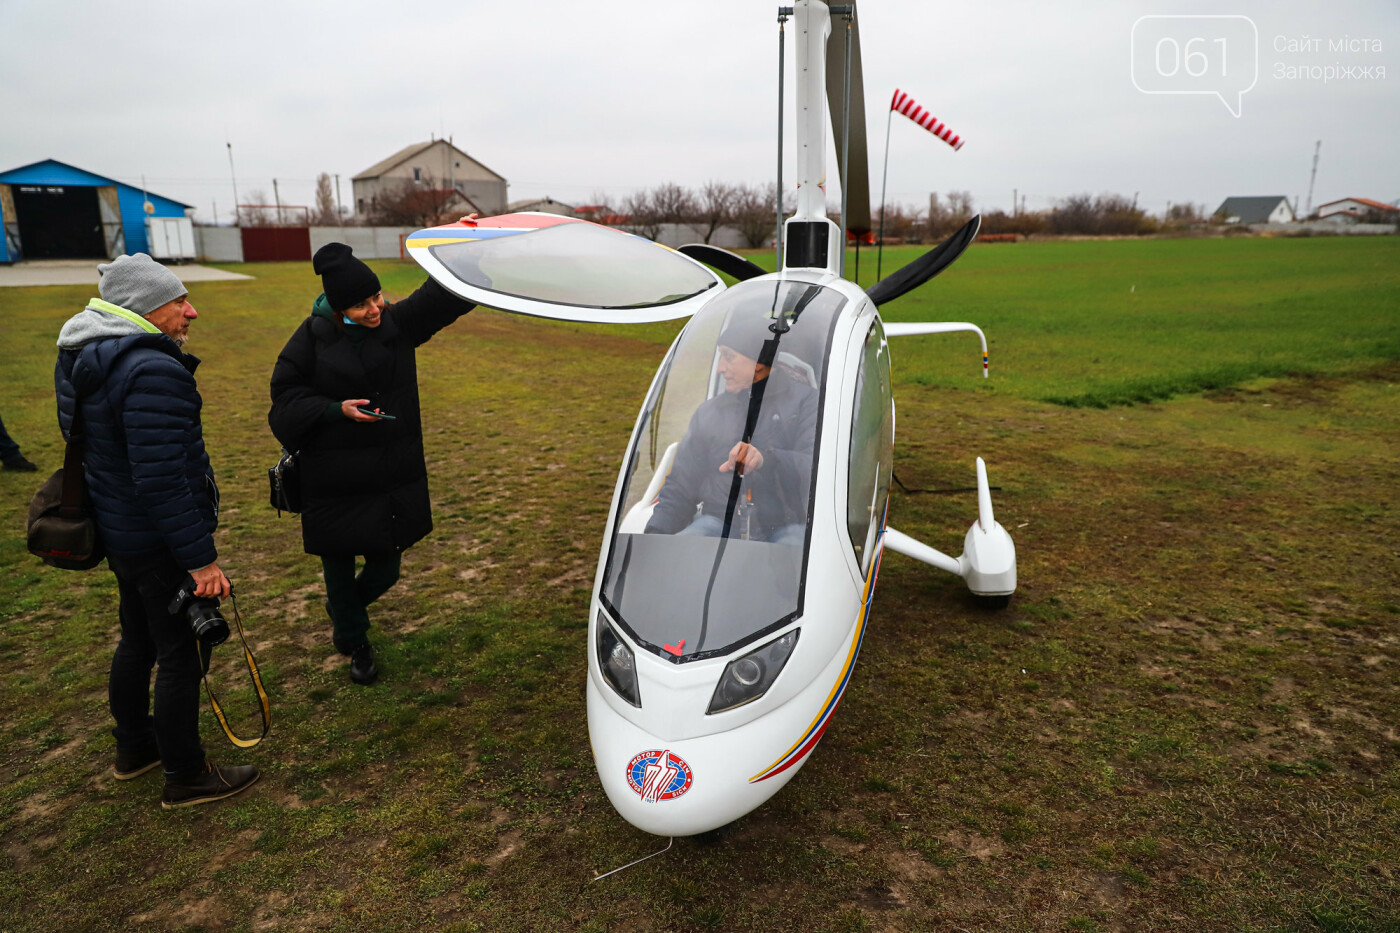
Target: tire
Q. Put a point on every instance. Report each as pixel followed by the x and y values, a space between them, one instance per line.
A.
pixel 992 602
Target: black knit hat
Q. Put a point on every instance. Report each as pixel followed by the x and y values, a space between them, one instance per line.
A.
pixel 346 280
pixel 746 332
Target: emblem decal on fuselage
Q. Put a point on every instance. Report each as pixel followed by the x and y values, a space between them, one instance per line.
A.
pixel 659 774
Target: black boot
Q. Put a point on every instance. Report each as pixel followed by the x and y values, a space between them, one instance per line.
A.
pixel 132 764
pixel 362 668
pixel 20 464
pixel 213 783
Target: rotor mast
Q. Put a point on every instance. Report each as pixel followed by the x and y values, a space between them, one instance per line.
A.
pixel 813 28
pixel 811 238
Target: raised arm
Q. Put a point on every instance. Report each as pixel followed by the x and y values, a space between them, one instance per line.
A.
pixel 427 311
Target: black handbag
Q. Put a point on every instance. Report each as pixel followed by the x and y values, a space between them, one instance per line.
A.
pixel 62 530
pixel 284 480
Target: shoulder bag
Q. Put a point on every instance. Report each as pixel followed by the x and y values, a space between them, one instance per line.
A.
pixel 62 530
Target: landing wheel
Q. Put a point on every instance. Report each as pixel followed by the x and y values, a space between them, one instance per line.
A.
pixel 992 602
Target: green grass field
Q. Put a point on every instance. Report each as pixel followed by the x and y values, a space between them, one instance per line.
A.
pixel 1188 718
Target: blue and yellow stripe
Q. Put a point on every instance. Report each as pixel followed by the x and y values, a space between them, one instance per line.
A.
pixel 809 739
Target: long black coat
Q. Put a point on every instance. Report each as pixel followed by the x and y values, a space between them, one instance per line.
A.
pixel 364 485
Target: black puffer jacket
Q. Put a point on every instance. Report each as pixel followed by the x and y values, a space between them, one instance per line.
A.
pixel 364 485
pixel 147 472
pixel 784 434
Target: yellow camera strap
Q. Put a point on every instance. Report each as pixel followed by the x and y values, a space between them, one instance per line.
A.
pixel 257 684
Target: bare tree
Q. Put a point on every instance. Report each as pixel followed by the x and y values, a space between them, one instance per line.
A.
pixel 715 207
pixel 325 212
pixel 254 216
pixel 1105 214
pixel 641 216
pixel 1186 214
pixel 422 203
pixel 1025 223
pixel 949 214
pixel 903 222
pixel 673 203
pixel 755 214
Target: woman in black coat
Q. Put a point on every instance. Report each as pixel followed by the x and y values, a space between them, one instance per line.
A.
pixel 345 401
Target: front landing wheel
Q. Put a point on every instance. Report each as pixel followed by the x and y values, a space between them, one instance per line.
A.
pixel 992 602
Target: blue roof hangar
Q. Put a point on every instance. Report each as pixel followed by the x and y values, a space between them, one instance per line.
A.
pixel 52 210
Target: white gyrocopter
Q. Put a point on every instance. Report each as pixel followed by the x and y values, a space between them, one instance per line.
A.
pixel 733 592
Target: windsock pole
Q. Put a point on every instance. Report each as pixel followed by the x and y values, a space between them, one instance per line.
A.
pixel 906 105
pixel 884 180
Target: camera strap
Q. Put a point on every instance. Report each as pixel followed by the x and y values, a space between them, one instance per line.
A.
pixel 257 684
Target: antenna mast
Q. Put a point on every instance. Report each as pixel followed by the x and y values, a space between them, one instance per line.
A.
pixel 1317 150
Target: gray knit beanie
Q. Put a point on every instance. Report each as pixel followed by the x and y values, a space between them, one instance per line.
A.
pixel 138 283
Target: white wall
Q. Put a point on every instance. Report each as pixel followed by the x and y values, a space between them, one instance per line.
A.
pixel 674 235
pixel 1325 227
pixel 218 244
pixel 367 242
pixel 225 244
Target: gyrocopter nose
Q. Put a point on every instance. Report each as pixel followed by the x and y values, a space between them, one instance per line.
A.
pixel 664 787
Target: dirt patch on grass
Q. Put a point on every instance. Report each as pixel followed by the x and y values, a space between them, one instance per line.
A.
pixel 207 913
pixel 975 846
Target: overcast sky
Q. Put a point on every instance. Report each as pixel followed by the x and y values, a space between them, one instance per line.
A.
pixel 569 99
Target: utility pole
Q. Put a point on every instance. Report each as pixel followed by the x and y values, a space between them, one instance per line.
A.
pixel 339 211
pixel 233 175
pixel 277 199
pixel 1317 150
pixel 1013 202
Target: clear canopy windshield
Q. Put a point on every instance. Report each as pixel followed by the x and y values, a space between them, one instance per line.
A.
pixel 578 264
pixel 709 546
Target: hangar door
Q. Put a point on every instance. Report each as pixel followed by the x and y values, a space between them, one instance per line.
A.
pixel 59 222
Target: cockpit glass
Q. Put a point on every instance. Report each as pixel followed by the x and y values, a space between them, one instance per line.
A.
pixel 710 541
pixel 577 264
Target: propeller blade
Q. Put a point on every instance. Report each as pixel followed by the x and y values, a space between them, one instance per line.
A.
pixel 857 174
pixel 926 266
pixel 731 264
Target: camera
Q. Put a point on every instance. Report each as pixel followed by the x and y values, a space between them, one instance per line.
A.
pixel 207 623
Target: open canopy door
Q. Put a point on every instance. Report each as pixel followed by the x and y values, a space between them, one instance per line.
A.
pixel 558 267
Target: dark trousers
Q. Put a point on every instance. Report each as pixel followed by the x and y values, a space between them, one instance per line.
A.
pixel 9 450
pixel 350 595
pixel 152 638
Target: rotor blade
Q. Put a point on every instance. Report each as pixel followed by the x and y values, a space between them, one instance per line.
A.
pixel 926 266
pixel 857 174
pixel 731 264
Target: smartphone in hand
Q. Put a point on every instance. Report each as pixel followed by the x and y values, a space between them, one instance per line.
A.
pixel 378 414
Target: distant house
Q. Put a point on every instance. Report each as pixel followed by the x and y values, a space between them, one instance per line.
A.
pixel 52 210
pixel 544 206
pixel 1273 209
pixel 436 164
pixel 1355 210
pixel 602 214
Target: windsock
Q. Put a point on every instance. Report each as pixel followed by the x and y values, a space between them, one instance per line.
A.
pixel 906 105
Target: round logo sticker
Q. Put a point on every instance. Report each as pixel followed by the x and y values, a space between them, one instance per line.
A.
pixel 659 775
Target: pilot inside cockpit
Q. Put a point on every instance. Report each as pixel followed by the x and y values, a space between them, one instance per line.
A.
pixel 754 489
